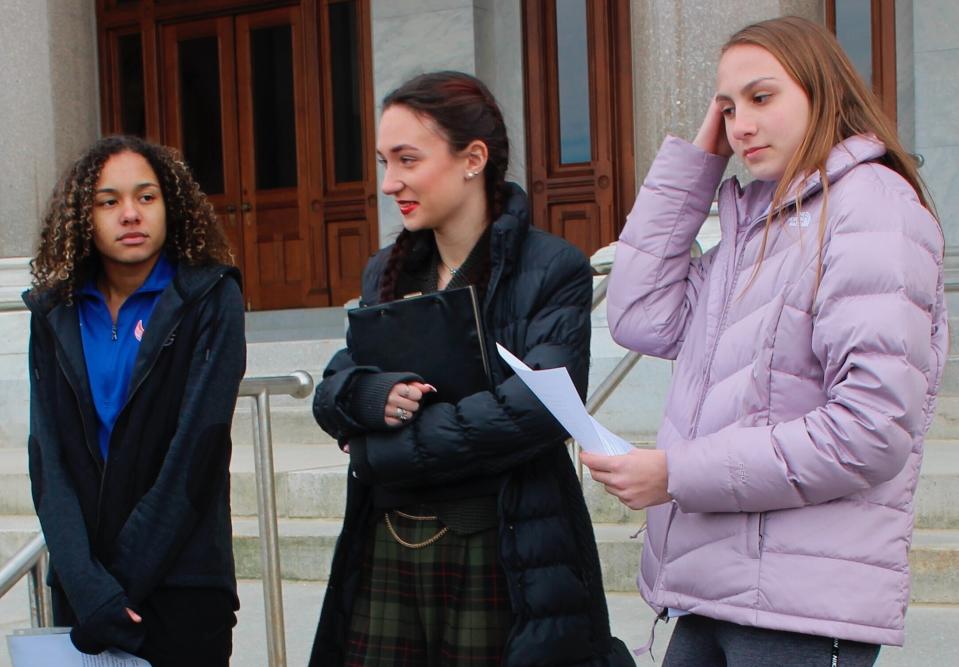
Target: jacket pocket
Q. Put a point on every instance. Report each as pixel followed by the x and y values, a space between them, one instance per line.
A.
pixel 659 519
pixel 755 524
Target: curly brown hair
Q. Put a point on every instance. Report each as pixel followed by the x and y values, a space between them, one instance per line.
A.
pixel 66 256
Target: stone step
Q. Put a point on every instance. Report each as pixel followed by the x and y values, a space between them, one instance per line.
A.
pixel 310 483
pixel 634 411
pixel 306 550
pixel 945 425
pixel 321 492
pixel 950 377
pixel 929 628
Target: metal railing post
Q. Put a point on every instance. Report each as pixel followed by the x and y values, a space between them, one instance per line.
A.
pixel 595 400
pixel 41 606
pixel 269 534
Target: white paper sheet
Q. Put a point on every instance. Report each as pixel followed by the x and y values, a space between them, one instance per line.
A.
pixel 555 389
pixel 49 647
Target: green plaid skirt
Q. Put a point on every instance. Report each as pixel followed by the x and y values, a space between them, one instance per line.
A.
pixel 442 605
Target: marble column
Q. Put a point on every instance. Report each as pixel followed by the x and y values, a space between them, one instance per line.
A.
pixel 936 61
pixel 49 106
pixel 675 52
pixel 499 63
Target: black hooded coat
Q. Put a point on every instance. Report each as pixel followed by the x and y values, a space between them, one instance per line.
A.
pixel 537 304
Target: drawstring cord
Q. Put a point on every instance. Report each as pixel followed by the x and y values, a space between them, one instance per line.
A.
pixel 648 646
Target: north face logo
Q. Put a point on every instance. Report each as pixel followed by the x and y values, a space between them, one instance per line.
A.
pixel 802 220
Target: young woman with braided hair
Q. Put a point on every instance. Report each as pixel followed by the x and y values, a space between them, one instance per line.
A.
pixel 466 539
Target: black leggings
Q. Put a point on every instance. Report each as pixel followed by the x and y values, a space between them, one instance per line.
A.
pixel 698 641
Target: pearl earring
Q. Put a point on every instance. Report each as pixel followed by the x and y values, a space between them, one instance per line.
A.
pixel 470 174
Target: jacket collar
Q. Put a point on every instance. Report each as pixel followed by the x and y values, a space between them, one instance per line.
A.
pixel 189 284
pixel 509 232
pixel 845 155
pixel 160 276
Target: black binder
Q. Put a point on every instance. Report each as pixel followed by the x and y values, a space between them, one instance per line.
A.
pixel 439 336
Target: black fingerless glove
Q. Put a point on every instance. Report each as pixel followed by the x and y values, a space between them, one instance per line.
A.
pixel 109 626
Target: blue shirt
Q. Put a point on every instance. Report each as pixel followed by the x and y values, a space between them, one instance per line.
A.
pixel 110 350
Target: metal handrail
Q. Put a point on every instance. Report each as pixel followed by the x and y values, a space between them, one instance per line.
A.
pixel 30 560
pixel 605 389
pixel 298 384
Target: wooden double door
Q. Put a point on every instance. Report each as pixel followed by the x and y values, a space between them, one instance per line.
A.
pixel 272 120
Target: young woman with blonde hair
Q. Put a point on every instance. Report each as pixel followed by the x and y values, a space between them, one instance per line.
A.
pixel 810 344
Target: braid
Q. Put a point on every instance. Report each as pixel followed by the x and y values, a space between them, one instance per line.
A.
pixel 394 263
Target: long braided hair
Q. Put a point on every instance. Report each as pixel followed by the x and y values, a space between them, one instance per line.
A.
pixel 464 109
pixel 66 256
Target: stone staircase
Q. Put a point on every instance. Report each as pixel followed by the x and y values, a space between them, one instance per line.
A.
pixel 310 469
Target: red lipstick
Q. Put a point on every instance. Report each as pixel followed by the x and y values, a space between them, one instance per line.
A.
pixel 407 207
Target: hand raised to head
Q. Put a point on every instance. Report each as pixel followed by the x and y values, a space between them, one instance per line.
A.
pixel 712 133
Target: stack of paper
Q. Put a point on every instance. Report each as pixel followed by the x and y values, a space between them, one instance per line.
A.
pixel 554 387
pixel 51 647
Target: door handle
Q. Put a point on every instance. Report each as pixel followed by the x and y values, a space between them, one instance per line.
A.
pixel 230 208
pixel 245 207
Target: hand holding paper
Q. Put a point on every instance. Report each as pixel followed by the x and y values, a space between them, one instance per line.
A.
pixel 555 389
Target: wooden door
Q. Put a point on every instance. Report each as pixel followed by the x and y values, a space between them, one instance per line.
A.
pixel 867 31
pixel 273 156
pixel 273 110
pixel 236 108
pixel 197 75
pixel 579 118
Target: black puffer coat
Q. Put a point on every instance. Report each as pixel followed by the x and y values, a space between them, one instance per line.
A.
pixel 537 304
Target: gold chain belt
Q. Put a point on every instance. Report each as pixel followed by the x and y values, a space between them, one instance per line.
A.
pixel 413 545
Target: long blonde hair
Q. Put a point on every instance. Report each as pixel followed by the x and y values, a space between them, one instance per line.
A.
pixel 841 105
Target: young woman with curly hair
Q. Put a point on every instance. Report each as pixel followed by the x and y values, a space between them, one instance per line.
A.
pixel 136 355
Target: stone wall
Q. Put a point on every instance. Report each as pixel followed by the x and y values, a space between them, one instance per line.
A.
pixel 936 60
pixel 48 103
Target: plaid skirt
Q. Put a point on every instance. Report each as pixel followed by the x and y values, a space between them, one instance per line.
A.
pixel 442 605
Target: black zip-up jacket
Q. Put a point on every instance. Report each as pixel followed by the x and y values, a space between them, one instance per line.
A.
pixel 157 512
pixel 538 305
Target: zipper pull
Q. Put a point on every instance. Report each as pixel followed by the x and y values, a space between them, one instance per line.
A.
pixel 114 331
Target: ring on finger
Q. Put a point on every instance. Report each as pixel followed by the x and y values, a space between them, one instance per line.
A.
pixel 402 414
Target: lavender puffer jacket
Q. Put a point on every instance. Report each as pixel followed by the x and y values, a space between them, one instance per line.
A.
pixel 795 421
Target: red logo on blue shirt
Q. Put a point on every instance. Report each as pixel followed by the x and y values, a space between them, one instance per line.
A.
pixel 138 330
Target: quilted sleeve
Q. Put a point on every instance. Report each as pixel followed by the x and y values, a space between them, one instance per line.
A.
pixel 654 285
